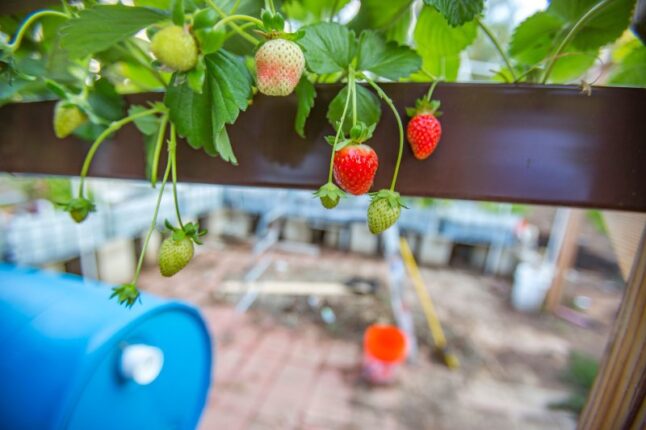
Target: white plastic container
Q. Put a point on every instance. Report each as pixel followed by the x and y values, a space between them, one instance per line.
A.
pixel 531 282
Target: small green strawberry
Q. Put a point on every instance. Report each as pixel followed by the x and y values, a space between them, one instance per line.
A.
pixel 175 48
pixel 126 294
pixel 383 211
pixel 177 250
pixel 330 195
pixel 67 118
pixel 78 208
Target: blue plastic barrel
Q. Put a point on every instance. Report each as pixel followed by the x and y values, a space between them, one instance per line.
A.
pixel 72 359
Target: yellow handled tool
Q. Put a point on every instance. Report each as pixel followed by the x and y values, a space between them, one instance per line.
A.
pixel 450 359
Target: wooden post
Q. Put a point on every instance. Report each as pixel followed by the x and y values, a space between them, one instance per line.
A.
pixel 618 397
pixel 565 253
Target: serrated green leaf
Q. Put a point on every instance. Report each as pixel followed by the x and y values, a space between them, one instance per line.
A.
pixel 434 36
pixel 223 146
pixel 105 101
pixel 379 14
pixel 632 68
pixel 226 91
pixel 534 38
pixel 102 26
pixel 571 65
pixel 158 4
pixel 604 27
pixel 386 59
pixel 311 11
pixel 458 12
pixel 368 109
pixel 148 124
pixel 305 93
pixel 328 47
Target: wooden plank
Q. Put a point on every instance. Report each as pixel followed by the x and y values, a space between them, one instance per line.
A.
pixel 618 397
pixel 565 259
pixel 286 288
pixel 516 143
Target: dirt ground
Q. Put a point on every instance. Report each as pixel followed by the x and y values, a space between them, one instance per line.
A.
pixel 512 364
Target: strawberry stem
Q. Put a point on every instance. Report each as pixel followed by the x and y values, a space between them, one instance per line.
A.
pixel 158 146
pixel 172 149
pixel 231 18
pixel 106 133
pixel 390 104
pixel 15 44
pixel 340 129
pixel 235 27
pixel 354 100
pixel 430 91
pixel 496 44
pixel 153 223
pixel 568 37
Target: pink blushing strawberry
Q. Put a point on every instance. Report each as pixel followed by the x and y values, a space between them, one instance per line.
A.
pixel 279 66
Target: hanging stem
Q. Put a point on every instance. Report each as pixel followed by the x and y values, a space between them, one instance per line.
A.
pixel 270 3
pixel 172 153
pixel 153 223
pixel 231 18
pixel 495 42
pixel 568 37
pixel 235 27
pixel 15 44
pixel 354 98
pixel 158 146
pixel 390 104
pixel 144 60
pixel 106 133
pixel 340 129
pixel 429 94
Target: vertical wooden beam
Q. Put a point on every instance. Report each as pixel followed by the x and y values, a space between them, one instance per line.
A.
pixel 565 255
pixel 618 397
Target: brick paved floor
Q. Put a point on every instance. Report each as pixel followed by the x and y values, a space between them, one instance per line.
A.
pixel 272 374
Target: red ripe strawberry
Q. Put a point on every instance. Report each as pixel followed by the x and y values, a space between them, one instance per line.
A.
pixel 423 132
pixel 424 129
pixel 355 167
pixel 279 66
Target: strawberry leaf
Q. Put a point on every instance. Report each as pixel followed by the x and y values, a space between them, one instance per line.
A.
pixel 534 38
pixel 368 109
pixel 386 59
pixel 458 12
pixel 201 117
pixel 102 26
pixel 604 27
pixel 305 93
pixel 328 47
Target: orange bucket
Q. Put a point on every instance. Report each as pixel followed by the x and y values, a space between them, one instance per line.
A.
pixel 384 349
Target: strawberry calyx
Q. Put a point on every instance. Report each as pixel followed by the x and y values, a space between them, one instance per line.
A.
pixel 392 197
pixel 78 208
pixel 330 195
pixel 424 107
pixel 359 134
pixel 126 294
pixel 189 230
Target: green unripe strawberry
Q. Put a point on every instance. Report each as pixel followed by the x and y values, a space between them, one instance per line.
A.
pixel 79 208
pixel 175 48
pixel 383 211
pixel 175 253
pixel 330 195
pixel 67 118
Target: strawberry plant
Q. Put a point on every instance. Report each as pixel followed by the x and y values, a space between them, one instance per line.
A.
pixel 211 58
